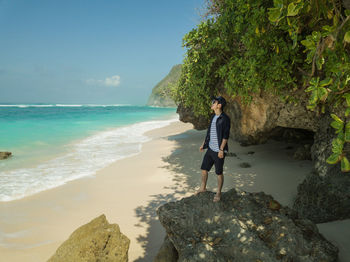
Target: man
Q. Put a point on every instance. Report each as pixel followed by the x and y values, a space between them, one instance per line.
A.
pixel 216 142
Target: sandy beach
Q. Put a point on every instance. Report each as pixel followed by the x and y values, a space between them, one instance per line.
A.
pixel 129 191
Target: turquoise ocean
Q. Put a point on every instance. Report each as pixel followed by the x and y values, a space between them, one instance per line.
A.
pixel 55 143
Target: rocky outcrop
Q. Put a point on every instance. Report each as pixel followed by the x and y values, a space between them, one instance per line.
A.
pixel 186 115
pixel 323 199
pixel 346 4
pixel 266 115
pixel 5 155
pixel 167 252
pixel 161 93
pixel 256 122
pixel 324 195
pixel 241 227
pixel 95 241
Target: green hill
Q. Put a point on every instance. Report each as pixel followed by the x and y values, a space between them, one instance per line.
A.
pixel 161 93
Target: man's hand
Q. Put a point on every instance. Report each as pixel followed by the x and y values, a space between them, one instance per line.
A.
pixel 221 154
pixel 201 149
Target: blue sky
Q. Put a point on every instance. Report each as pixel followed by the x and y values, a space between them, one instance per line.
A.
pixel 70 51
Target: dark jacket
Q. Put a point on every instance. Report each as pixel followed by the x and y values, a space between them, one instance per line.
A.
pixel 223 125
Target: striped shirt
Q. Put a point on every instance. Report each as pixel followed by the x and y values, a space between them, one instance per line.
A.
pixel 213 142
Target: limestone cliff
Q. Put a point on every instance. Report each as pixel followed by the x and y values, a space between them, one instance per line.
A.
pixel 324 195
pixel 161 93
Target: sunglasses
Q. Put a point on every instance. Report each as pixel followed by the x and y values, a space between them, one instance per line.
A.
pixel 213 101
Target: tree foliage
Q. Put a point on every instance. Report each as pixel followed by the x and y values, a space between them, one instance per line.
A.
pixel 280 46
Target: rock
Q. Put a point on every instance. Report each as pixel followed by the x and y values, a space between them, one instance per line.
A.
pixel 303 152
pixel 231 154
pixel 267 114
pixel 186 115
pixel 324 194
pixel 324 198
pixel 245 165
pixel 241 227
pixel 167 252
pixel 95 241
pixel 265 117
pixel 4 155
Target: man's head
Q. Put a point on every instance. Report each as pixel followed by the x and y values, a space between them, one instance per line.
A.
pixel 218 103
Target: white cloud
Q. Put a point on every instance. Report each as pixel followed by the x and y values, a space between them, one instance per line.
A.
pixel 108 81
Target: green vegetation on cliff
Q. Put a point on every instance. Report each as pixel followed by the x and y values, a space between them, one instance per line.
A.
pixel 286 47
pixel 162 93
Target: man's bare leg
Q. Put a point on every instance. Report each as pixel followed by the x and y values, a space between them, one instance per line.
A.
pixel 203 187
pixel 220 183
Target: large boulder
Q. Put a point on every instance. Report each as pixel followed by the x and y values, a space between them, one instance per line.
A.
pixel 167 252
pixel 241 227
pixel 95 241
pixel 324 199
pixel 4 155
pixel 324 195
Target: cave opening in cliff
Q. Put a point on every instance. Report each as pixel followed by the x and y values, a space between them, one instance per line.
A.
pixel 292 135
pixel 302 140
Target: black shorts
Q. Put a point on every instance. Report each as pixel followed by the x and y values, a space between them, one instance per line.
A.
pixel 210 158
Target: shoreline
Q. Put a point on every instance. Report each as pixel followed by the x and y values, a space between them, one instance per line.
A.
pixel 34 227
pixel 67 164
pixel 130 190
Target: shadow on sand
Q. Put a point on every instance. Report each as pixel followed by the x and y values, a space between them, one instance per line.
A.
pixel 186 175
pixel 184 165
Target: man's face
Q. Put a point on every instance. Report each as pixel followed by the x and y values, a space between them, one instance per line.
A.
pixel 215 105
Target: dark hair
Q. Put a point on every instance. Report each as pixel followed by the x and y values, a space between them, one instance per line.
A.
pixel 221 101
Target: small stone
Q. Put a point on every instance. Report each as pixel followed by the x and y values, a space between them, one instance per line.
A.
pixel 230 154
pixel 274 205
pixel 5 155
pixel 244 165
pixel 267 220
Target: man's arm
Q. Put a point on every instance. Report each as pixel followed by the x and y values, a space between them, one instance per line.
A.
pixel 221 149
pixel 223 144
pixel 201 147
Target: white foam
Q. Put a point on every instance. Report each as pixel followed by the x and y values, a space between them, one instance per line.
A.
pixel 64 105
pixel 84 159
pixel 14 105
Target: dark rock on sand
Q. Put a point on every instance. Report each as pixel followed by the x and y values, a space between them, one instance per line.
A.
pixel 324 195
pixel 167 252
pixel 303 152
pixel 241 227
pixel 4 155
pixel 245 165
pixel 95 241
pixel 324 199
